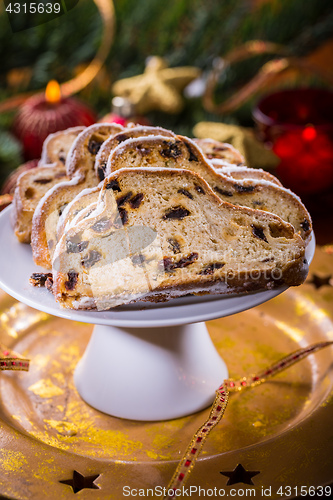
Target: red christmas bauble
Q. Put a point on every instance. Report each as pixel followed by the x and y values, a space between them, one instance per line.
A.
pixel 10 183
pixel 40 116
pixel 115 118
pixel 306 160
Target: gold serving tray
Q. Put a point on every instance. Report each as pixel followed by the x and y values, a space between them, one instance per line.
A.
pixel 282 429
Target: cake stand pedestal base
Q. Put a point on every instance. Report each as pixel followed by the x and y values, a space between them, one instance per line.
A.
pixel 150 374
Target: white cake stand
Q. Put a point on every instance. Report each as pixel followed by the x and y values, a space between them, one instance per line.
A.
pixel 143 362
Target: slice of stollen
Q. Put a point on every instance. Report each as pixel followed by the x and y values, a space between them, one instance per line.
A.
pixel 243 172
pixel 181 152
pixel 84 199
pixel 227 160
pixel 220 150
pixel 128 133
pixel 82 155
pixel 73 211
pixel 57 146
pixel 80 169
pixel 31 186
pixel 162 233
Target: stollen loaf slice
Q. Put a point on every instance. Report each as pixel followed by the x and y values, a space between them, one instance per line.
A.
pixel 82 155
pixel 220 150
pixel 159 233
pixel 228 161
pixel 80 169
pixel 57 146
pixel 128 133
pixel 242 172
pixel 31 186
pixel 181 152
pixel 84 199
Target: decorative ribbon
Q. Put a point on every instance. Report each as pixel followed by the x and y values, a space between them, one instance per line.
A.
pixel 190 457
pixel 106 10
pixel 11 360
pixel 265 75
pixel 79 82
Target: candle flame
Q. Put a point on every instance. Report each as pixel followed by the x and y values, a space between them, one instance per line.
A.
pixel 53 92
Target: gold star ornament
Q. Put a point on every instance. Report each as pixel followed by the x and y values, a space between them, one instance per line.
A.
pixel 158 88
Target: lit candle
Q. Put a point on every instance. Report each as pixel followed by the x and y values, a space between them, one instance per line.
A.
pixel 44 114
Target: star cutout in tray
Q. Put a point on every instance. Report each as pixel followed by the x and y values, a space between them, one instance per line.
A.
pixel 239 475
pixel 319 281
pixel 80 482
